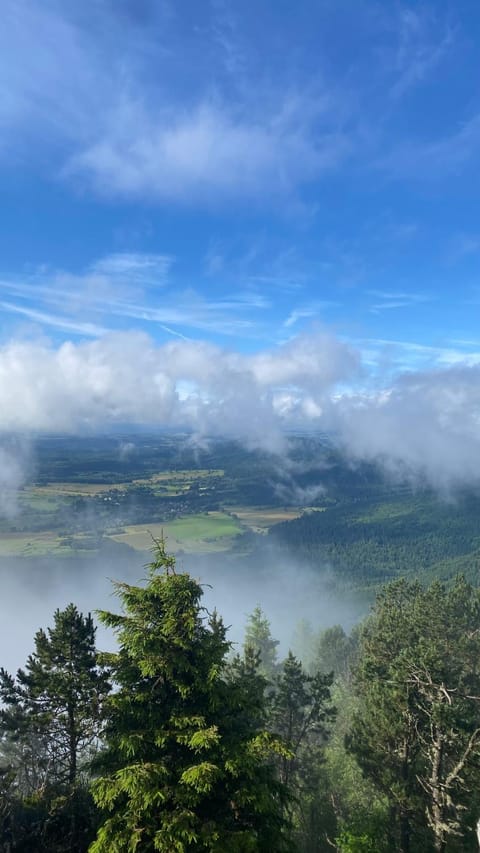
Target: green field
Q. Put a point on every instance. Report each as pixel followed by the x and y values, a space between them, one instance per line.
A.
pixel 211 531
pixel 45 543
pixel 364 528
pixel 260 519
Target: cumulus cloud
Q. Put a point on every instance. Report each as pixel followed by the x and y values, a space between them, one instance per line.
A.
pixel 426 425
pixel 423 424
pixel 127 378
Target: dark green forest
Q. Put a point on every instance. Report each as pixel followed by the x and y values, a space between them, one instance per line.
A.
pixel 371 541
pixel 177 741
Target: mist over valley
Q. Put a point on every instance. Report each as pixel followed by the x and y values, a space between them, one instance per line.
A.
pixel 239 426
pixel 81 512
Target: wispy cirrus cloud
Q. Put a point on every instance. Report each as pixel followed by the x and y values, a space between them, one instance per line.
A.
pixel 424 40
pixel 112 95
pixel 307 312
pixel 447 156
pixel 146 269
pixel 391 300
pixel 211 149
pixel 392 356
pixel 90 330
pixel 121 290
pixel 95 291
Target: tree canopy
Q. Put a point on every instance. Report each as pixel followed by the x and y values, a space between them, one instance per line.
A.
pixel 417 729
pixel 185 766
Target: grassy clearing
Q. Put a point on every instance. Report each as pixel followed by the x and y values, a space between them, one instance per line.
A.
pixel 212 531
pixel 389 510
pixel 31 500
pixel 62 490
pixel 201 533
pixel 260 519
pixel 32 545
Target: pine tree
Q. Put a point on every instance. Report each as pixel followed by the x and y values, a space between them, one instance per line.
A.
pixel 301 714
pixel 258 636
pixel 50 723
pixel 187 766
pixel 417 730
pixel 335 651
pixel 56 700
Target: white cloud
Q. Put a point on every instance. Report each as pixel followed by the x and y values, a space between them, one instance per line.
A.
pixel 163 110
pixel 423 424
pixel 126 378
pixel 187 155
pixel 103 96
pixel 426 425
pixel 90 330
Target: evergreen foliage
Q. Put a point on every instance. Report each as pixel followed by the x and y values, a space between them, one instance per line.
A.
pixel 187 765
pixel 302 715
pixel 258 636
pixel 193 750
pixel 50 722
pixel 416 732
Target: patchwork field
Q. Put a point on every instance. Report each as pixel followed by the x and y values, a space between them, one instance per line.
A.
pixel 211 531
pixel 44 543
pixel 174 482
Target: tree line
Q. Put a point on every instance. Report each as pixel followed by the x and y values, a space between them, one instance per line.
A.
pixel 371 541
pixel 359 743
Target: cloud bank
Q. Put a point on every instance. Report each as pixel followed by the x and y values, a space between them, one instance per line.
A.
pixel 427 424
pixel 126 378
pixel 421 424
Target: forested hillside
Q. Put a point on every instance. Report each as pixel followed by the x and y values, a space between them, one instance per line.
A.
pixel 364 742
pixel 370 540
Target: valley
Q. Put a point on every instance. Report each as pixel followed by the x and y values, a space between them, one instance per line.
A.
pixel 86 496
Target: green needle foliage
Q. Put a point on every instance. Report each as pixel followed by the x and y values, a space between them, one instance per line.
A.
pixel 187 765
pixel 50 723
pixel 416 732
pixel 258 637
pixel 302 715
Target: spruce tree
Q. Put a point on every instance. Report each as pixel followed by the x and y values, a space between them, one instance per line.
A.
pixel 258 636
pixel 301 714
pixel 187 765
pixel 50 723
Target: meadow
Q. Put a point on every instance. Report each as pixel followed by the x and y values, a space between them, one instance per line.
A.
pixel 211 531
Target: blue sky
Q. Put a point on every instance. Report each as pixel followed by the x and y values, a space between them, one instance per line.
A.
pixel 249 177
pixel 242 170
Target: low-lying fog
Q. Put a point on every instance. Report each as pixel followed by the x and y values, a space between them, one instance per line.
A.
pixel 287 592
